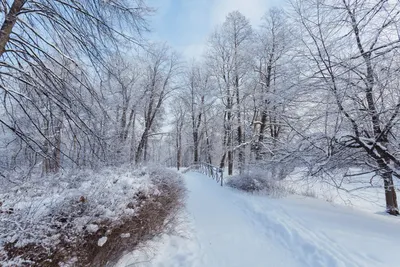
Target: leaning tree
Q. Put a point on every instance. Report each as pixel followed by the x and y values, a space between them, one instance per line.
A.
pixel 48 48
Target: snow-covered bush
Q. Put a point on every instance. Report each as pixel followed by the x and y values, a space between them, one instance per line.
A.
pixel 85 218
pixel 255 181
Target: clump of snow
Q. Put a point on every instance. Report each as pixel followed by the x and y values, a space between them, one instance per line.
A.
pixel 102 241
pixel 92 228
pixel 125 235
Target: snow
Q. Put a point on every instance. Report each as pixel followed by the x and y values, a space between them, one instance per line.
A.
pixel 362 192
pixel 229 228
pixel 102 241
pixel 125 235
pixel 78 201
pixel 92 228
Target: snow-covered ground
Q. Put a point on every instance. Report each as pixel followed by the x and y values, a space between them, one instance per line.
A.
pixel 361 192
pixel 228 228
pixel 43 210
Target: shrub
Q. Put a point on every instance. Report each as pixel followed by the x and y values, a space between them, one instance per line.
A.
pixel 255 181
pixel 309 193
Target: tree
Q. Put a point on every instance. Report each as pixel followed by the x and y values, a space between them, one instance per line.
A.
pixel 229 58
pixel 123 94
pixel 272 45
pixel 50 47
pixel 162 66
pixel 197 84
pixel 356 61
pixel 179 119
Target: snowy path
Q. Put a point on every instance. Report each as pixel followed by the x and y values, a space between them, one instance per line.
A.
pixel 227 228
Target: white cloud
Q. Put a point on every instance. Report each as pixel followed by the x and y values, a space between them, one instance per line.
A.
pixel 195 51
pixel 196 19
pixel 218 10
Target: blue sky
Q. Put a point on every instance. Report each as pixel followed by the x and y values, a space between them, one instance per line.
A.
pixel 186 24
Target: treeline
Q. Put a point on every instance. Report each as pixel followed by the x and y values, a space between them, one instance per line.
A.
pixel 314 86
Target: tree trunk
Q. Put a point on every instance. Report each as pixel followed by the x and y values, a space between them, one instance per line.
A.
pixel 390 190
pixel 390 194
pixel 195 147
pixel 56 160
pixel 264 113
pixel 230 138
pixel 133 139
pixel 260 140
pixel 141 147
pixel 123 124
pixel 230 162
pixel 8 24
pixel 178 153
pixel 222 162
pixel 145 149
pixel 241 155
pixel 179 127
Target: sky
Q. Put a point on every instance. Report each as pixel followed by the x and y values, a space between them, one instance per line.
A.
pixel 186 24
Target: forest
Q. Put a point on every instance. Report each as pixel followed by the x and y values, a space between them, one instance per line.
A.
pixel 315 87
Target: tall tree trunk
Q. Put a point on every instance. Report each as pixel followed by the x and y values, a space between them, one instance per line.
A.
pixel 8 24
pixel 179 127
pixel 146 149
pixel 133 139
pixel 228 140
pixel 46 149
pixel 56 160
pixel 240 141
pixel 230 162
pixel 128 126
pixel 264 113
pixel 178 151
pixel 123 124
pixel 195 147
pixel 260 141
pixel 141 147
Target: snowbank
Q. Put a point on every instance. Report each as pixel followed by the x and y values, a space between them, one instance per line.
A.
pixel 73 216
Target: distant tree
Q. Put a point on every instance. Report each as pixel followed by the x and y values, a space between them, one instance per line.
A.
pixel 273 44
pixel 161 68
pixel 229 59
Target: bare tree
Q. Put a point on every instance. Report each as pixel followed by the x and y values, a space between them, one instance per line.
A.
pixel 229 59
pixel 179 112
pixel 356 61
pixel 48 47
pixel 273 44
pixel 197 82
pixel 162 66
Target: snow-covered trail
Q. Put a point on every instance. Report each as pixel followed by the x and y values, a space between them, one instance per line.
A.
pixel 226 235
pixel 227 228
